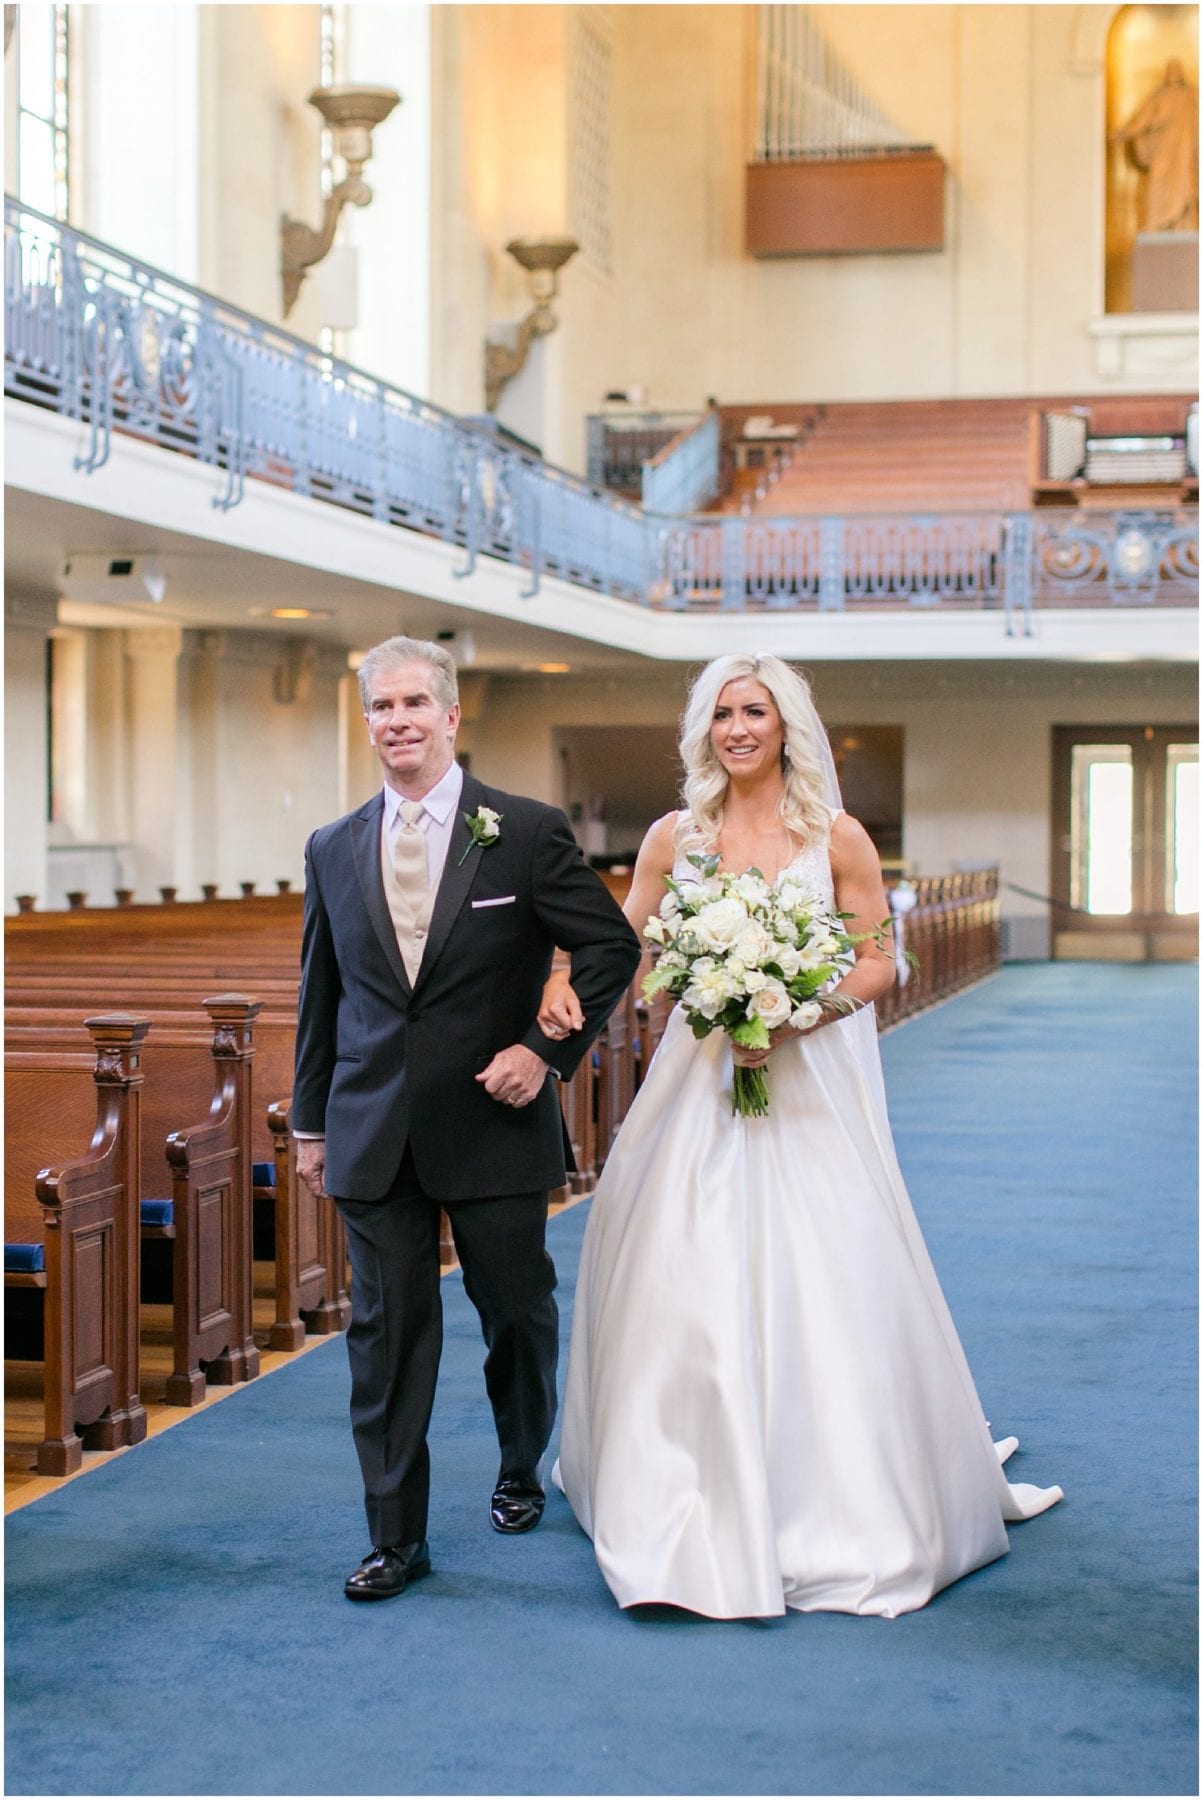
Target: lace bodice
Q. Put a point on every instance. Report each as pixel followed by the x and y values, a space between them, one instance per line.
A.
pixel 810 870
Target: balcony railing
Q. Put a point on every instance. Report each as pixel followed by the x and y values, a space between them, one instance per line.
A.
pixel 103 339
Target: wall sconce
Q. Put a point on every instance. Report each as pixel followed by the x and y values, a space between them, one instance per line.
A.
pixel 350 112
pixel 542 258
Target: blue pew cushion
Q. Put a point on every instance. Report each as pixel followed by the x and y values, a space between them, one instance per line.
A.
pixel 263 1174
pixel 157 1212
pixel 24 1259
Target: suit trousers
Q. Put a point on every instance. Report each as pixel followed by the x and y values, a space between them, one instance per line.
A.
pixel 396 1335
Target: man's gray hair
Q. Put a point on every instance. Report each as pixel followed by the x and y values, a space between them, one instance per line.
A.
pixel 396 653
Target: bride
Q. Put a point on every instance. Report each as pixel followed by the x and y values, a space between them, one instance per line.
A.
pixel 767 1405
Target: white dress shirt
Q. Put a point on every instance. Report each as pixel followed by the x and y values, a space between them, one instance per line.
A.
pixel 436 824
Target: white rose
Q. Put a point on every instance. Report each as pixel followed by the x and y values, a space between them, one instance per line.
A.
pixel 719 923
pixel 772 1004
pixel 753 945
pixel 490 824
pixel 754 980
pixel 806 1015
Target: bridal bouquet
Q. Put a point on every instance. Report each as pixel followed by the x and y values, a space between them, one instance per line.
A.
pixel 744 955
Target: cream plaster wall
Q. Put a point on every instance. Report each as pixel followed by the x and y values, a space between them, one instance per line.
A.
pixel 199 136
pixel 260 150
pixel 1004 93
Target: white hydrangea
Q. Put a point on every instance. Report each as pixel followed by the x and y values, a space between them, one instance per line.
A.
pixel 709 989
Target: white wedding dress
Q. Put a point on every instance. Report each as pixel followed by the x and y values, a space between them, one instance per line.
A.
pixel 767 1405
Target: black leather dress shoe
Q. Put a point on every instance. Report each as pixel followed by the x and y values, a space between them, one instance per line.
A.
pixel 517 1502
pixel 388 1570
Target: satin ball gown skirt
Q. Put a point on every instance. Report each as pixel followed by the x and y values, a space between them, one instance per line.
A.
pixel 767 1405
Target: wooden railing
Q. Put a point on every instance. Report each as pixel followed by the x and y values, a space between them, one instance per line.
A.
pixel 952 926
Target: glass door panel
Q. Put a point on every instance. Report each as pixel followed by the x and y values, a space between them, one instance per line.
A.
pixel 1182 828
pixel 1101 829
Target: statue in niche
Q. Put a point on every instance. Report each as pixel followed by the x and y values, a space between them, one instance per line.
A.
pixel 1163 142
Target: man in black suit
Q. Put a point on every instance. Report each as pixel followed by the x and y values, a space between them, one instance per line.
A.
pixel 422 1080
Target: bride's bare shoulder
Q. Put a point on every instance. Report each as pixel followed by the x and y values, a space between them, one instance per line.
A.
pixel 850 842
pixel 658 845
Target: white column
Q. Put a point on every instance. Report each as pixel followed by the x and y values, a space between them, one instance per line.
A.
pixel 358 765
pixel 159 804
pixel 27 626
pixel 390 46
pixel 140 157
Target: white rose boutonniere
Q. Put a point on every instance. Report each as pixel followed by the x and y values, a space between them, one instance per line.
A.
pixel 484 827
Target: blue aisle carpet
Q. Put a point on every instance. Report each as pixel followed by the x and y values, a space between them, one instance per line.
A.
pixel 175 1621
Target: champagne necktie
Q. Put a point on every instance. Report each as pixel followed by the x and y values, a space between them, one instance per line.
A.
pixel 409 854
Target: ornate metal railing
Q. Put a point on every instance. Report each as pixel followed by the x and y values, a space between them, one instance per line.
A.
pixel 116 344
pixel 1005 561
pixel 120 347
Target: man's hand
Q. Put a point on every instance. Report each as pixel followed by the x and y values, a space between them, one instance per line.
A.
pixel 311 1164
pixel 515 1076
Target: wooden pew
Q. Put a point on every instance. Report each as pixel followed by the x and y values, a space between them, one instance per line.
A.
pixel 81 1204
pixel 308 1242
pixel 615 1048
pixel 195 1182
pixel 311 1247
pixel 210 1167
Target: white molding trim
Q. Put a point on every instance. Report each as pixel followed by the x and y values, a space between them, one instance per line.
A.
pixel 1147 348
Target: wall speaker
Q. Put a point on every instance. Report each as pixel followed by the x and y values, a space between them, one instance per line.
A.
pixel 118 577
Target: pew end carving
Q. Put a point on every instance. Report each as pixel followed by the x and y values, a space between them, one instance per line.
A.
pixel 311 1250
pixel 211 1212
pixel 87 1217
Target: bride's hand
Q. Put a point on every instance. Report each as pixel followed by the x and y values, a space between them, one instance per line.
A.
pixel 755 1059
pixel 559 1009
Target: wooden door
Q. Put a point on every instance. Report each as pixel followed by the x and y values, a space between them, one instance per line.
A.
pixel 1125 865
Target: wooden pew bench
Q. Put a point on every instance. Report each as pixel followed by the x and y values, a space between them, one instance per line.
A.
pixel 300 1236
pixel 71 1185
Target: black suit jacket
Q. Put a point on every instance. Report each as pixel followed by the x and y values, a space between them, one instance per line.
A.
pixel 379 1063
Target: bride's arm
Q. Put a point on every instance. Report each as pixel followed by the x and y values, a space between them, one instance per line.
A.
pixel 559 1009
pixel 860 891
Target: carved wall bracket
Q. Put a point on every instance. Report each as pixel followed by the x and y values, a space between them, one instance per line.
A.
pixel 351 113
pixel 542 258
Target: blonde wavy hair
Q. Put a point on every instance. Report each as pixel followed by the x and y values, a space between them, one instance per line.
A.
pixel 802 807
